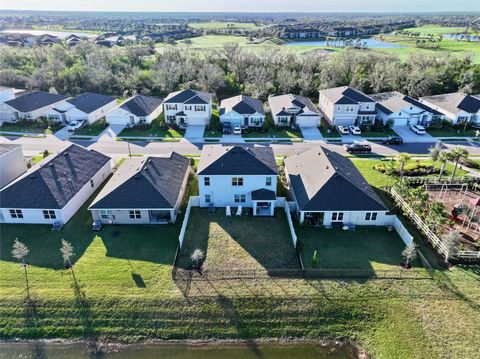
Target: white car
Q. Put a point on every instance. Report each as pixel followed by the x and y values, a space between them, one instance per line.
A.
pixel 419 130
pixel 237 130
pixel 343 130
pixel 75 125
pixel 355 130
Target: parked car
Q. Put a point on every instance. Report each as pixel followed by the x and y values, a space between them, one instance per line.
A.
pixel 75 125
pixel 393 140
pixel 343 130
pixel 237 130
pixel 227 128
pixel 419 130
pixel 358 147
pixel 355 130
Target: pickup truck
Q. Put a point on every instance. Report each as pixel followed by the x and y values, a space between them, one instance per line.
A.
pixel 75 125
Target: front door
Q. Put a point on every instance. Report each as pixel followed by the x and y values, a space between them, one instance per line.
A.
pixel 245 121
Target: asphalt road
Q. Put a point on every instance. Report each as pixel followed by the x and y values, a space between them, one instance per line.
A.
pixel 116 149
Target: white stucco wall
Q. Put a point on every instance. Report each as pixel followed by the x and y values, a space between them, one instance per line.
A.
pixel 75 114
pixel 119 116
pixel 193 117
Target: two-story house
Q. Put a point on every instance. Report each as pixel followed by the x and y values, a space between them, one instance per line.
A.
pixel 403 110
pixel 188 107
pixel 457 107
pixel 242 110
pixel 293 110
pixel 346 106
pixel 237 176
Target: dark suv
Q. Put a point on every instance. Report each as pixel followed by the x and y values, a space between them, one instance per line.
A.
pixel 358 148
pixel 227 128
pixel 393 140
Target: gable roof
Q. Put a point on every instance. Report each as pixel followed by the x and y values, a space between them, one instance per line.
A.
pixel 345 95
pixel 141 105
pixel 243 105
pixel 390 102
pixel 152 182
pixel 237 160
pixel 454 102
pixel 88 101
pixel 323 180
pixel 34 100
pixel 7 147
pixel 278 104
pixel 55 182
pixel 189 96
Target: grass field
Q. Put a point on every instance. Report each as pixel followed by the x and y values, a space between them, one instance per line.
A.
pixel 223 25
pixel 450 132
pixel 93 129
pixel 30 127
pixel 436 29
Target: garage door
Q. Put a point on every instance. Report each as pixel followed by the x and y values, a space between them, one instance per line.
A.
pixel 117 120
pixel 308 121
pixel 196 121
pixel 400 122
pixel 344 122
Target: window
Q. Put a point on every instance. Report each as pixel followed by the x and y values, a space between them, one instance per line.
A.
pixel 374 216
pixel 106 214
pixel 349 108
pixel 91 183
pixel 208 198
pixel 371 216
pixel 54 117
pixel 171 118
pixel 188 107
pixel 206 181
pixel 200 108
pixel 339 108
pixel 142 120
pixel 283 119
pixel 16 213
pixel 237 181
pixel 240 198
pixel 268 181
pixel 49 214
pixel 171 107
pixel 135 214
pixel 337 216
pixel 367 106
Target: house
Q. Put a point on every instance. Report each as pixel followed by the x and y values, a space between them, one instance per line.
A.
pixel 6 94
pixel 136 110
pixel 294 110
pixel 188 107
pixel 29 106
pixel 457 107
pixel 403 110
pixel 328 189
pixel 242 110
pixel 86 106
pixel 12 163
pixel 346 106
pixel 144 191
pixel 238 176
pixel 53 191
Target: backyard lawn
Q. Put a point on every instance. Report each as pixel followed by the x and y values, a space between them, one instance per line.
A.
pixel 239 242
pixel 93 129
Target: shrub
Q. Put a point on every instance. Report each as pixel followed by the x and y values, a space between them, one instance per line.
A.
pixel 411 170
pixel 471 163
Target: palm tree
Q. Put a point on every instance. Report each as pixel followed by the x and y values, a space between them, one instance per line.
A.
pixel 435 151
pixel 444 157
pixel 436 215
pixel 402 158
pixel 458 154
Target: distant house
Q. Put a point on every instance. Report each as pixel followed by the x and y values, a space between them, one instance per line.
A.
pixel 12 163
pixel 29 106
pixel 293 110
pixel 143 191
pixel 136 110
pixel 55 190
pixel 457 107
pixel 403 110
pixel 86 106
pixel 237 176
pixel 346 106
pixel 328 189
pixel 188 107
pixel 242 110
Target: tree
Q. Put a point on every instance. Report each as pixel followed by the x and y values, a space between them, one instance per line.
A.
pixel 46 154
pixel 458 154
pixel 20 251
pixel 402 158
pixel 409 253
pixel 435 151
pixel 451 242
pixel 444 157
pixel 67 252
pixel 197 256
pixel 436 215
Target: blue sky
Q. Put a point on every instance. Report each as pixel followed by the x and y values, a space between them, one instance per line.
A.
pixel 246 5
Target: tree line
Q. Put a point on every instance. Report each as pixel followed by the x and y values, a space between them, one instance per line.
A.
pixel 229 70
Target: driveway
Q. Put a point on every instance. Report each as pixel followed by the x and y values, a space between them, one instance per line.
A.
pixel 311 133
pixel 110 133
pixel 194 132
pixel 63 133
pixel 411 137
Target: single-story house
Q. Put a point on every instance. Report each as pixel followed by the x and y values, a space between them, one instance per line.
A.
pixel 403 110
pixel 30 106
pixel 457 107
pixel 242 110
pixel 143 191
pixel 294 110
pixel 238 176
pixel 12 163
pixel 86 106
pixel 328 189
pixel 136 110
pixel 53 191
pixel 188 107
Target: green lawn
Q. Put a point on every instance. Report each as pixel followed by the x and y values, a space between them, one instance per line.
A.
pixel 436 29
pixel 223 25
pixel 155 129
pixel 93 129
pixel 274 132
pixel 30 127
pixel 239 242
pixel 451 132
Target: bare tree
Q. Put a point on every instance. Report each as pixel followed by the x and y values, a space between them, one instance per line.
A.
pixel 20 251
pixel 67 252
pixel 451 243
pixel 197 256
pixel 409 253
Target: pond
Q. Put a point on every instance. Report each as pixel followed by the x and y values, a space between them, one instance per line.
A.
pixel 42 350
pixel 371 42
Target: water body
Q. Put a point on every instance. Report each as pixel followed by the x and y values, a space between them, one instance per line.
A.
pixel 60 34
pixel 41 350
pixel 459 37
pixel 372 43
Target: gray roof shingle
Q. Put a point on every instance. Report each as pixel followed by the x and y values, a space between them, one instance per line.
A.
pixel 141 105
pixel 189 96
pixel 278 104
pixel 323 180
pixel 454 102
pixel 7 147
pixel 34 100
pixel 345 95
pixel 56 182
pixel 243 105
pixel 145 183
pixel 390 102
pixel 89 102
pixel 263 194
